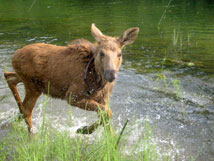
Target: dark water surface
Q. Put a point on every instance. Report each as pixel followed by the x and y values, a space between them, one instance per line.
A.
pixel 167 77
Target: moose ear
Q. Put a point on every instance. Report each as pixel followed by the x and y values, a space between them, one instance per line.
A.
pixel 97 34
pixel 129 36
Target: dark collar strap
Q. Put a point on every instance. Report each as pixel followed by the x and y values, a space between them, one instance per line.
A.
pixel 85 76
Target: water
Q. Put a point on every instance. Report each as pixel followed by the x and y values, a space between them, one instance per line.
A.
pixel 177 54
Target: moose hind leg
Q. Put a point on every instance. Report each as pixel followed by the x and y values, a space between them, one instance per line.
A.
pixel 12 81
pixel 92 105
pixel 28 105
pixel 29 102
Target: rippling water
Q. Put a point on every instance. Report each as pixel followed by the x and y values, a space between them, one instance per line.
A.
pixel 167 77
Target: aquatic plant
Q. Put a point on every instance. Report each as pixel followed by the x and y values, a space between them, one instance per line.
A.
pixel 164 14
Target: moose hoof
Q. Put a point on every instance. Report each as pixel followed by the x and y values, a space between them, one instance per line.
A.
pixel 85 130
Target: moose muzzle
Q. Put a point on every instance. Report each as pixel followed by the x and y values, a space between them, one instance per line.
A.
pixel 110 75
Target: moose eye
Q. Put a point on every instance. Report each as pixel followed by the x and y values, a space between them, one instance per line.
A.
pixel 119 55
pixel 102 54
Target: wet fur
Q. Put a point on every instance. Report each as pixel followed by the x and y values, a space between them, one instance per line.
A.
pixel 58 71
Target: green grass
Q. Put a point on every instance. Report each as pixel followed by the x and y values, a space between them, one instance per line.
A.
pixel 51 144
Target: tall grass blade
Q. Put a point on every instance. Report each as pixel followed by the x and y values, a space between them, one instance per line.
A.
pixel 121 133
pixel 164 13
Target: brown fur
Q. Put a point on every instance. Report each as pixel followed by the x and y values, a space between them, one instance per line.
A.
pixel 59 72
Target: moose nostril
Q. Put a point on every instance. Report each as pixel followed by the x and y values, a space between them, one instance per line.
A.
pixel 110 75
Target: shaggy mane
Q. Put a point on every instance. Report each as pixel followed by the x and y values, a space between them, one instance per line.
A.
pixel 82 47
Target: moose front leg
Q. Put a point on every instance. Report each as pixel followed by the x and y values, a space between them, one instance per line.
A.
pixel 92 105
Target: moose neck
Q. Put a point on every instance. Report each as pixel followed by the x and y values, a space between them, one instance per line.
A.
pixel 93 77
pixel 99 74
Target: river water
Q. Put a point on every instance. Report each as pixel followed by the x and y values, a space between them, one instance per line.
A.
pixel 167 77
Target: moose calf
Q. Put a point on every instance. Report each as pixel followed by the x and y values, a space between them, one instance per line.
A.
pixel 82 73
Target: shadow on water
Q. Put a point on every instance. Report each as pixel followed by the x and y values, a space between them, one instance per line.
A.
pixel 167 77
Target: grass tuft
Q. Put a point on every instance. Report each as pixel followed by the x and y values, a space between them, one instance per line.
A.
pixel 50 144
